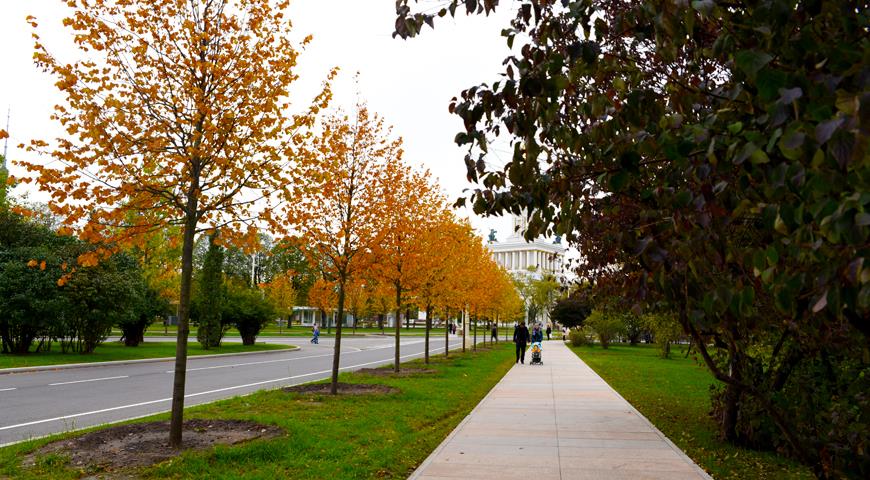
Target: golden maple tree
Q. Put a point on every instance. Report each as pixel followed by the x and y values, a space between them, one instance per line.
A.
pixel 409 200
pixel 322 296
pixel 439 261
pixel 175 114
pixel 282 294
pixel 342 204
pixel 359 293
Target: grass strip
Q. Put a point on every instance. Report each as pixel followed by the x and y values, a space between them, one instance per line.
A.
pixel 110 351
pixel 674 394
pixel 344 437
pixel 158 330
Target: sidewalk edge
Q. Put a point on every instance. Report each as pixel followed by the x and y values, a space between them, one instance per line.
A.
pixel 655 429
pixel 420 468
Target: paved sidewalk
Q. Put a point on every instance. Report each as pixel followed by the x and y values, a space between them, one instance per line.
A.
pixel 556 421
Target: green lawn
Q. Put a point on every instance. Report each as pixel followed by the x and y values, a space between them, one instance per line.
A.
pixel 117 351
pixel 158 330
pixel 674 395
pixel 378 436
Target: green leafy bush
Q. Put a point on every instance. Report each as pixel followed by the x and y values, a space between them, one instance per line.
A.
pixel 606 325
pixel 247 309
pixel 665 330
pixel 579 337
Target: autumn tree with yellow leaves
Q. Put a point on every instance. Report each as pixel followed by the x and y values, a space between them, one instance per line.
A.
pixel 322 296
pixel 342 206
pixel 282 294
pixel 441 259
pixel 175 114
pixel 409 201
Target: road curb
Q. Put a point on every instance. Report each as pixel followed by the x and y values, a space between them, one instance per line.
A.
pixel 46 368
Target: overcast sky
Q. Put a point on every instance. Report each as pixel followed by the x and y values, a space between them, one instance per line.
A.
pixel 409 82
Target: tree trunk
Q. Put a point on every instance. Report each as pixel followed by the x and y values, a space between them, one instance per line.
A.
pixel 134 334
pixel 446 332
pixel 176 422
pixel 464 318
pixel 407 318
pixel 396 367
pixel 336 356
pixel 428 326
pixel 732 404
pixel 474 345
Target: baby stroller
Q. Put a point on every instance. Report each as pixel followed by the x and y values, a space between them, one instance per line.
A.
pixel 537 348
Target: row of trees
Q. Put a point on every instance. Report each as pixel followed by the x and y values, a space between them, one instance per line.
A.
pixel 380 233
pixel 178 119
pixel 710 159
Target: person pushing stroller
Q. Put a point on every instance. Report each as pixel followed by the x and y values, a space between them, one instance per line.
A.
pixel 537 345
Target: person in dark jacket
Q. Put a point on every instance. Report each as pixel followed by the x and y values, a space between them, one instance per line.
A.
pixel 521 339
pixel 537 334
pixel 549 331
pixel 494 333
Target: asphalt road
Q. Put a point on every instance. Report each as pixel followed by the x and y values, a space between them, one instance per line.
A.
pixel 40 403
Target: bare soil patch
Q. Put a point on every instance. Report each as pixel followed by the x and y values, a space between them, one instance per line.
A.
pixel 404 372
pixel 145 444
pixel 343 389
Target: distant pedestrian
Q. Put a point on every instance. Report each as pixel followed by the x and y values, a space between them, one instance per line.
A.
pixel 521 339
pixel 494 335
pixel 549 331
pixel 315 339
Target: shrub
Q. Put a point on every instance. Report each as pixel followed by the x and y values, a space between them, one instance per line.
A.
pixel 606 325
pixel 247 309
pixel 665 329
pixel 579 337
pixel 99 297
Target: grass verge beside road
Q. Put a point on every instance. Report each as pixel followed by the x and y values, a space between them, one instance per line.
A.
pixel 674 394
pixel 377 436
pixel 110 351
pixel 158 330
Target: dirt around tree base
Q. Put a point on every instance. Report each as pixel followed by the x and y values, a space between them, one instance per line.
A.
pixel 389 372
pixel 343 389
pixel 145 444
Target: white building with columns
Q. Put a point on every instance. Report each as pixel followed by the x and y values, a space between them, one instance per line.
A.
pixel 520 257
pixel 529 259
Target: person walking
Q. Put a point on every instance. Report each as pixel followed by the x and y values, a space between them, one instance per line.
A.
pixel 521 339
pixel 549 331
pixel 537 334
pixel 316 334
pixel 494 336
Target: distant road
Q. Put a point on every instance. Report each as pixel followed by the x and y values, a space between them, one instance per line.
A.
pixel 40 403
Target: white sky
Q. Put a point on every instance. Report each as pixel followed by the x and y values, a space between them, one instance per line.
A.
pixel 409 83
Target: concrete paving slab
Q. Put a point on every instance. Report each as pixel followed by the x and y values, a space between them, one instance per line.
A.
pixel 556 421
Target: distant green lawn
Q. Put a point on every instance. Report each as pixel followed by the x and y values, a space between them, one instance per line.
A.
pixel 344 437
pixel 117 351
pixel 674 395
pixel 158 330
